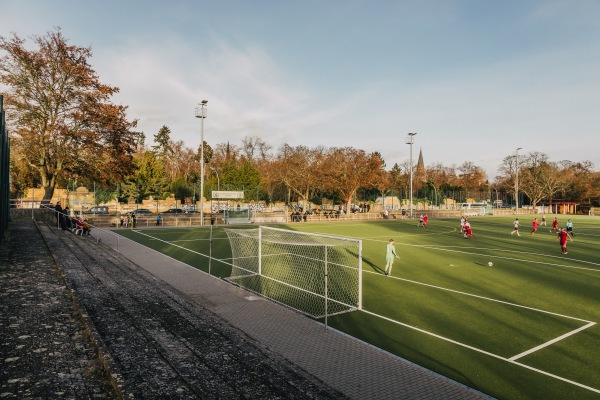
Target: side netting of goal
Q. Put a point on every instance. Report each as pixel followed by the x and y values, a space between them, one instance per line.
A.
pixel 318 275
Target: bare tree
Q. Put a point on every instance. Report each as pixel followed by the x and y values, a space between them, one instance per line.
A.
pixel 299 169
pixel 532 170
pixel 254 148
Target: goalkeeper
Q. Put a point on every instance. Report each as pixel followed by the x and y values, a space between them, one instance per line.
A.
pixel 389 257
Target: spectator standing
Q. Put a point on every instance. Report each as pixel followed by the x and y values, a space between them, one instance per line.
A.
pixel 65 220
pixel 58 210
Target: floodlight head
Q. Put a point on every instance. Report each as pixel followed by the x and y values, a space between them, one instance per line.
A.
pixel 409 139
pixel 200 110
pixel 520 148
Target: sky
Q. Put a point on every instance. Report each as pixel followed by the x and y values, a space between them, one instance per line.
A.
pixel 474 79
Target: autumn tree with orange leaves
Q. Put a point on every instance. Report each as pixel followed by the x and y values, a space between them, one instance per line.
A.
pixel 348 169
pixel 63 123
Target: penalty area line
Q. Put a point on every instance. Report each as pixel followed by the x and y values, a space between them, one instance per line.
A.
pixel 509 360
pixel 558 377
pixel 550 342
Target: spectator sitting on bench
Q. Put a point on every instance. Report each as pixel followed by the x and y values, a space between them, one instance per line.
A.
pixel 87 228
pixel 78 226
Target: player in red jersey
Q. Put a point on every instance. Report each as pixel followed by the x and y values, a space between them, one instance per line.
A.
pixel 534 225
pixel 562 239
pixel 554 225
pixel 468 232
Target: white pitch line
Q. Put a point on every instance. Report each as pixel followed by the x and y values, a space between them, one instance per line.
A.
pixel 180 247
pixel 560 378
pixel 581 385
pixel 558 339
pixel 502 250
pixel 482 297
pixel 435 335
pixel 445 338
pixel 447 248
pixel 518 259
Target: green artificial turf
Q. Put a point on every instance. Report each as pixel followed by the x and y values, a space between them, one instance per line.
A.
pixel 444 308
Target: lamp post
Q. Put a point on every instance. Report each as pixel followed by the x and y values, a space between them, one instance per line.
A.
pixel 409 140
pixel 201 113
pixel 517 180
pixel 218 188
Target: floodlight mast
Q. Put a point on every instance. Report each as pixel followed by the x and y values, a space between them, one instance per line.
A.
pixel 410 141
pixel 218 190
pixel 201 113
pixel 517 180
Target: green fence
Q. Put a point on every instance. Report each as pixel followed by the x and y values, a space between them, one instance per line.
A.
pixel 4 173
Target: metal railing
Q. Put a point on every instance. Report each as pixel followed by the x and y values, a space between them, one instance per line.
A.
pixel 61 219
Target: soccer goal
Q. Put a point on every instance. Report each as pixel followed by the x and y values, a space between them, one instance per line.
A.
pixel 318 275
pixel 242 216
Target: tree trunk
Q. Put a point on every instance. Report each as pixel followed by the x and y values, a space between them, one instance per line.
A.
pixel 306 200
pixel 48 193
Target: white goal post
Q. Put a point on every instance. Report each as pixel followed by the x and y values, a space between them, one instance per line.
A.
pixel 318 275
pixel 242 216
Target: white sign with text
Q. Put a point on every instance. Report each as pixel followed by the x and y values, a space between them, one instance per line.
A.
pixel 227 195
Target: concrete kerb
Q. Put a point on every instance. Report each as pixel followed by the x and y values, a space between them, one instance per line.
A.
pixel 347 364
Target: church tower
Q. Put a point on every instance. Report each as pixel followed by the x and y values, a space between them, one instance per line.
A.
pixel 420 177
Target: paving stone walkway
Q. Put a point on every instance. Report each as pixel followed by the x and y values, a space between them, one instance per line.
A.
pixel 45 350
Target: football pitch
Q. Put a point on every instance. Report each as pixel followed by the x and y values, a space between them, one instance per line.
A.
pixel 524 328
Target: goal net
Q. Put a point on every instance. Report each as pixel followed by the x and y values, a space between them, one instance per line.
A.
pixel 318 275
pixel 241 216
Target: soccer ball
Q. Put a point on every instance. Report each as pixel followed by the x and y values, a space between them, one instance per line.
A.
pixel 491 264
